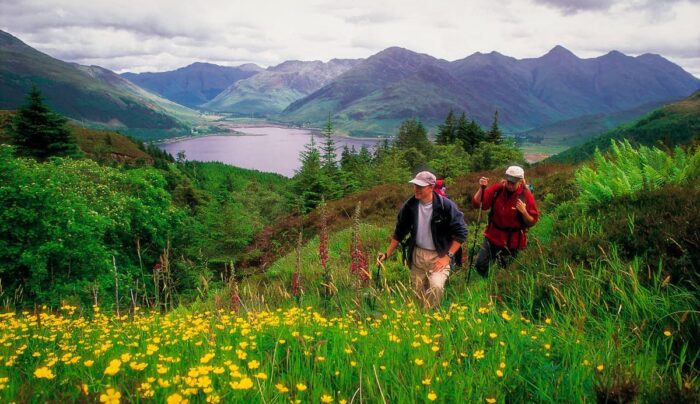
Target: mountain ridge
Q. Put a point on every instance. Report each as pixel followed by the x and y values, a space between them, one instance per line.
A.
pixel 194 84
pixel 528 93
pixel 83 93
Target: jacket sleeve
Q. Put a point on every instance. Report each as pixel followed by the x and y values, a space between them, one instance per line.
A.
pixel 458 228
pixel 403 222
pixel 488 197
pixel 532 207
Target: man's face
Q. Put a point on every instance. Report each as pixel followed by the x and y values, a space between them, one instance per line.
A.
pixel 512 186
pixel 422 193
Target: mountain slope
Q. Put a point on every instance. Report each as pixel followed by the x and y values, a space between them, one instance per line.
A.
pixel 528 93
pixel 672 125
pixel 272 90
pixel 82 93
pixel 195 84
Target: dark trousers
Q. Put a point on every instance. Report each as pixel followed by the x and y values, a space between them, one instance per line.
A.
pixel 489 253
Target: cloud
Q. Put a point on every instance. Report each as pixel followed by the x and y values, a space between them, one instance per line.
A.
pixel 157 35
pixel 575 6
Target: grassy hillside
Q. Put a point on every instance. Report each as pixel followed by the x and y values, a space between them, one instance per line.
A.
pixel 573 132
pixel 672 125
pixel 587 313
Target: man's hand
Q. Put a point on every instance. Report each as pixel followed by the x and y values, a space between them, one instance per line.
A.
pixel 483 181
pixel 381 257
pixel 521 206
pixel 441 263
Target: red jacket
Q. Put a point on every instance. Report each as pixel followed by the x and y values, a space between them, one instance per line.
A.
pixel 506 226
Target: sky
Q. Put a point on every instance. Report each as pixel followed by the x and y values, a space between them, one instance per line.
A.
pixel 161 35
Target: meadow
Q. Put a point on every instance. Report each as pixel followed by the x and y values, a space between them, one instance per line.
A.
pixel 601 307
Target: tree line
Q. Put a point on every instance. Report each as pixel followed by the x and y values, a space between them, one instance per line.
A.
pixel 460 146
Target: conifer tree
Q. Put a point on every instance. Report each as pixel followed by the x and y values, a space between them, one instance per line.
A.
pixel 447 132
pixel 328 148
pixel 38 132
pixel 329 164
pixel 309 182
pixel 413 142
pixel 469 133
pixel 494 135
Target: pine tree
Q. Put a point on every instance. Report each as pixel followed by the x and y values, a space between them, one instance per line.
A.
pixel 494 135
pixel 308 179
pixel 328 147
pixel 38 132
pixel 447 132
pixel 328 163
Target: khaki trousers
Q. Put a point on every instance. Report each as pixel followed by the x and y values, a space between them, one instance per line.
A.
pixel 428 285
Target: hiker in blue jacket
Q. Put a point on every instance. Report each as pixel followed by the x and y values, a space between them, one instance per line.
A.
pixel 437 229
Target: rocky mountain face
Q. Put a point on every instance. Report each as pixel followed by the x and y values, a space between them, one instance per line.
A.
pixel 270 91
pixel 396 84
pixel 195 84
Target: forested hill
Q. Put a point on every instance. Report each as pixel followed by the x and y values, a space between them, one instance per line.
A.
pixel 87 93
pixel 672 125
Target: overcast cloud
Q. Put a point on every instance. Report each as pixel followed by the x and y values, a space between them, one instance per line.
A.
pixel 159 35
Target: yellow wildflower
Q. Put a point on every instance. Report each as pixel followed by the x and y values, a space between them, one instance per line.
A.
pixel 301 386
pixel 176 399
pixel 326 398
pixel 244 384
pixel 111 397
pixel 505 315
pixel 499 373
pixel 206 358
pixel 113 368
pixel 478 354
pixel 253 364
pixel 44 373
pixel 281 388
pixel 432 396
pixel 419 362
pixel 667 333
pixel 490 400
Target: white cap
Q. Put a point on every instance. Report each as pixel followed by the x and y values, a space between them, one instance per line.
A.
pixel 515 173
pixel 424 178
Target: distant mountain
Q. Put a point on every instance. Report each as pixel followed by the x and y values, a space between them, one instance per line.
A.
pixel 675 124
pixel 195 84
pixel 83 93
pixel 396 84
pixel 272 90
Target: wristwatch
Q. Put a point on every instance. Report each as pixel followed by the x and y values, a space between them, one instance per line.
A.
pixel 449 254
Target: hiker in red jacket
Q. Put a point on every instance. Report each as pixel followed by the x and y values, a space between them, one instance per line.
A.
pixel 513 211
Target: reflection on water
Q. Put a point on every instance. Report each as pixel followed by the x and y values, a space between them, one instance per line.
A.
pixel 268 149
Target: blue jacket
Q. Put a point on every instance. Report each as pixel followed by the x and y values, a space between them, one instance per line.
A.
pixel 446 224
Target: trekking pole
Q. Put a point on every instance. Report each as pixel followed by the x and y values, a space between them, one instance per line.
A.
pixel 478 225
pixel 377 279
